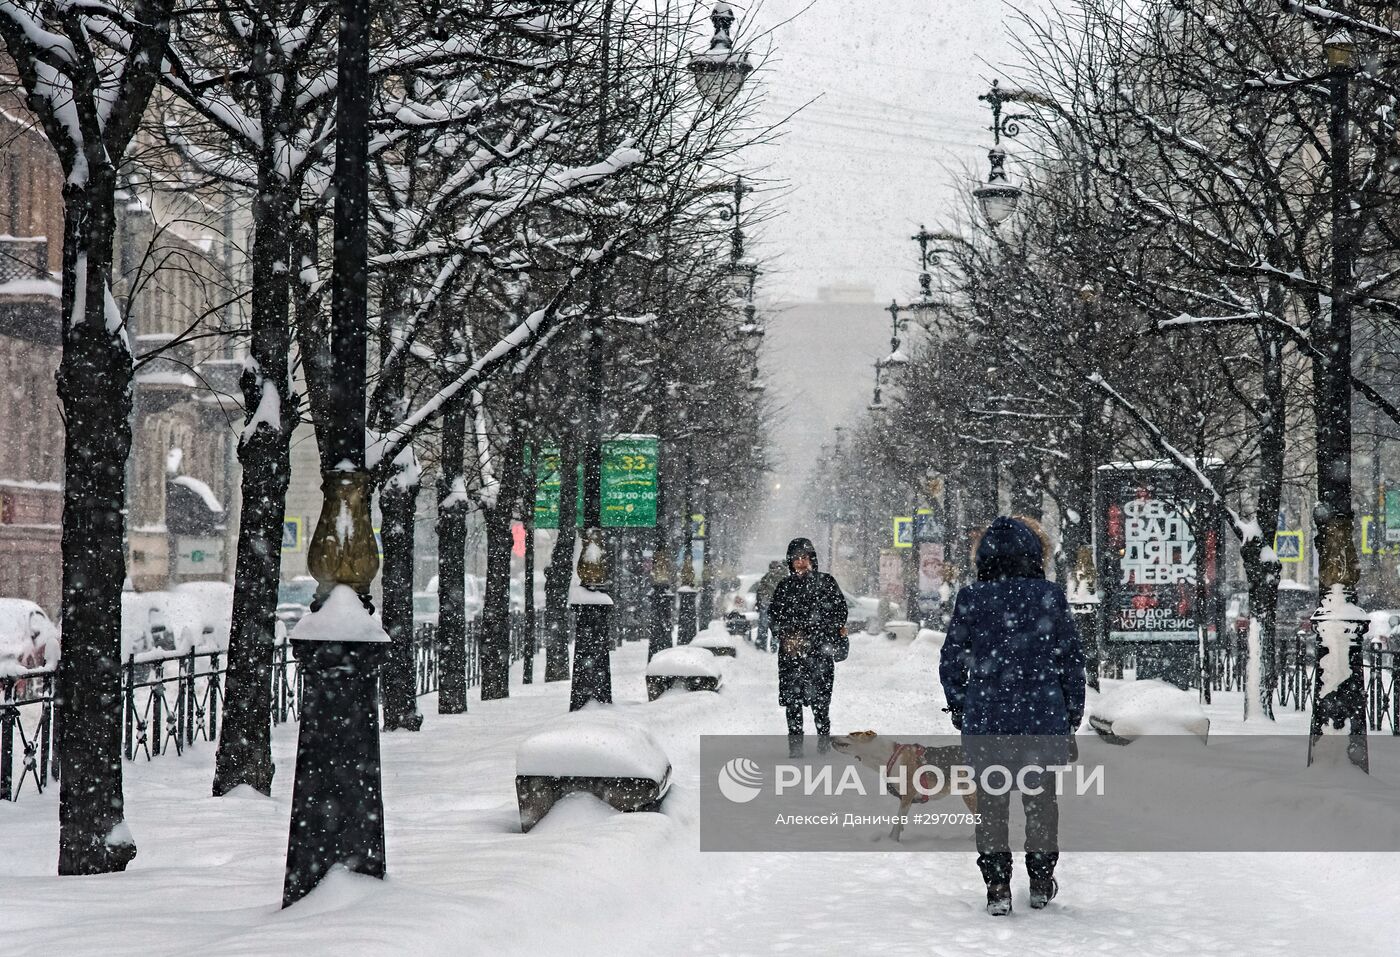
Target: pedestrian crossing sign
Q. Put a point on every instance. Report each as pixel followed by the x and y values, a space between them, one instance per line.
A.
pixel 1288 546
pixel 904 531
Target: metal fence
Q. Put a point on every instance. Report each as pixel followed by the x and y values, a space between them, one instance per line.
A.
pixel 1225 668
pixel 171 701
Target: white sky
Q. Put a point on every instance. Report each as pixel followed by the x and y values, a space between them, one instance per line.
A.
pixel 885 146
pixel 896 137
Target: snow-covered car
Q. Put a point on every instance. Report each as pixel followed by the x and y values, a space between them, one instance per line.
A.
pixel 1383 630
pixel 196 615
pixel 1293 618
pixel 28 640
pixel 291 612
pixel 425 608
pixel 862 611
pixel 297 591
pixel 425 602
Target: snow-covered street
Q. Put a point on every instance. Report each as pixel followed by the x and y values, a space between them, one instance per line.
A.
pixel 463 880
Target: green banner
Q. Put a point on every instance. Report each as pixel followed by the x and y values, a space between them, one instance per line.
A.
pixel 1392 516
pixel 629 484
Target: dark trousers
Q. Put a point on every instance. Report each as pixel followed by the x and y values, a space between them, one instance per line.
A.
pixel 1042 835
pixel 821 717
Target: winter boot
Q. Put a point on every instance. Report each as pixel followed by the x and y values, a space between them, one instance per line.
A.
pixel 998 899
pixel 1043 892
pixel 823 743
pixel 794 745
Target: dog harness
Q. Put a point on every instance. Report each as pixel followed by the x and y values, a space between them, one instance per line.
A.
pixel 921 796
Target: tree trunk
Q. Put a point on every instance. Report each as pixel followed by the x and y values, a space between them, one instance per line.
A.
pixel 663 596
pixel 94 384
pixel 1263 577
pixel 561 569
pixel 452 565
pixel 495 616
pixel 244 754
pixel 398 504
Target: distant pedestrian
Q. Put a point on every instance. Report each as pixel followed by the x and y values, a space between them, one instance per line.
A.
pixel 1012 665
pixel 736 621
pixel 808 617
pixel 763 597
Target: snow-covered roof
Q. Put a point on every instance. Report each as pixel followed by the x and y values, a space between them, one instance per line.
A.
pixel 31 287
pixel 200 489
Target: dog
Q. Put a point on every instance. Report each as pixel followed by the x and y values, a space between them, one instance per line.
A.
pixel 900 763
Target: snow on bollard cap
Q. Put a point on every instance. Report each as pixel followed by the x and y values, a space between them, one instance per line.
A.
pixel 342 617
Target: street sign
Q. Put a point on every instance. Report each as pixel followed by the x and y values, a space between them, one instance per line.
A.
pixel 1370 539
pixel 628 486
pixel 199 555
pixel 291 534
pixel 1392 517
pixel 1288 546
pixel 927 527
pixel 904 531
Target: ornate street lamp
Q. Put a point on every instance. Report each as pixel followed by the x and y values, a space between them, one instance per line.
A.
pixel 337 804
pixel 1339 690
pixel 876 406
pixel 719 72
pixel 999 197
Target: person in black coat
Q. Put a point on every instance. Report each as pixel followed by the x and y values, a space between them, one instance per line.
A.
pixel 808 618
pixel 1012 670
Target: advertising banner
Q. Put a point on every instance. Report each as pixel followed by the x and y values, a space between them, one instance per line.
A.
pixel 931 559
pixel 1150 562
pixel 891 573
pixel 628 486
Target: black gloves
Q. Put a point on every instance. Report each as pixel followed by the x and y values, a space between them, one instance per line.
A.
pixel 956 716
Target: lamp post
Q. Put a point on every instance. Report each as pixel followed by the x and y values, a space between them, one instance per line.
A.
pixel 998 198
pixel 337 804
pixel 1339 700
pixel 719 72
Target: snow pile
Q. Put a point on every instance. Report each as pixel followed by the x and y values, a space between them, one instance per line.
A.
pixel 683 662
pixel 578 595
pixel 1149 706
pixel 343 617
pixel 591 746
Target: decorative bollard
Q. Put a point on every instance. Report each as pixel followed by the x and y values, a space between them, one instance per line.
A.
pixel 337 800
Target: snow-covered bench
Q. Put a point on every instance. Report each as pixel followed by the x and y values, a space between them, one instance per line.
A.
pixel 620 764
pixel 688 667
pixel 721 646
pixel 1136 708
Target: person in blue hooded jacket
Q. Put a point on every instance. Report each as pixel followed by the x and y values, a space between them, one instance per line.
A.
pixel 1012 666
